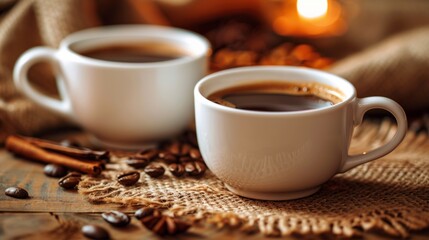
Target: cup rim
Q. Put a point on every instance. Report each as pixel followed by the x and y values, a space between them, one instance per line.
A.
pixel 93 34
pixel 203 99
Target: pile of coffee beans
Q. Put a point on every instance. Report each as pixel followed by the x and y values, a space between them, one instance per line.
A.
pixel 181 156
pixel 286 54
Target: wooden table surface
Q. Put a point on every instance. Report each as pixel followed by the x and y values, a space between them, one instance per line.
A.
pixel 53 213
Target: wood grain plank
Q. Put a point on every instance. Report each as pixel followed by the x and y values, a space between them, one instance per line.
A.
pixel 46 195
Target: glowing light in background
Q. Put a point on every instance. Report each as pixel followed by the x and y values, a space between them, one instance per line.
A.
pixel 309 18
pixel 312 8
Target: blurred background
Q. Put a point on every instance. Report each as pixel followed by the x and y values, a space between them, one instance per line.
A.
pixel 381 46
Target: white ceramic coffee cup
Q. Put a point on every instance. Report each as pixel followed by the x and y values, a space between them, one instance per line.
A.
pixel 121 103
pixel 283 155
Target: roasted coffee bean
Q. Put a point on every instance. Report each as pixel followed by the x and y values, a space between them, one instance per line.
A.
pixel 137 163
pixel 167 157
pixel 176 169
pixel 16 192
pixel 175 147
pixel 184 150
pixel 154 170
pixel 148 154
pixel 195 169
pixel 191 137
pixel 185 159
pixel 190 168
pixel 70 181
pixel 95 232
pixel 129 178
pixel 54 170
pixel 201 167
pixel 195 153
pixel 144 212
pixel 116 218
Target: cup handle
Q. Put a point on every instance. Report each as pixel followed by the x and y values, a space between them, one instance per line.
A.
pixel 361 107
pixel 28 59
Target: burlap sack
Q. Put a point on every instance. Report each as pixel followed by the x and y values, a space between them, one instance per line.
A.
pixel 396 68
pixel 32 23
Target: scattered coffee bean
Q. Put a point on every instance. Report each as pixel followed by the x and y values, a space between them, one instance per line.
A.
pixel 129 178
pixel 185 159
pixel 148 154
pixel 195 153
pixel 16 192
pixel 95 232
pixel 191 138
pixel 137 163
pixel 54 170
pixel 190 168
pixel 184 150
pixel 201 167
pixel 116 218
pixel 195 169
pixel 167 157
pixel 174 148
pixel 144 212
pixel 154 170
pixel 70 181
pixel 176 169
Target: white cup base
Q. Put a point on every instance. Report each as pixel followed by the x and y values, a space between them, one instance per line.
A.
pixel 275 196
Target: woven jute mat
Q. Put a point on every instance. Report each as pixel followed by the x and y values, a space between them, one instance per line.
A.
pixel 390 194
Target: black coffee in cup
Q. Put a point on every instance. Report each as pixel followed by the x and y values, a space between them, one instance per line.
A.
pixel 143 52
pixel 271 96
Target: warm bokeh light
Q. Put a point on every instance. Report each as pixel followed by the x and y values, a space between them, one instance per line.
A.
pixel 309 18
pixel 312 8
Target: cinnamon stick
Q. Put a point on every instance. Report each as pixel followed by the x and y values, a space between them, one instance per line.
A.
pixel 21 147
pixel 80 153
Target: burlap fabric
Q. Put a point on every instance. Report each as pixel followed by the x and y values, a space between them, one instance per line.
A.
pixel 396 68
pixel 390 195
pixel 32 23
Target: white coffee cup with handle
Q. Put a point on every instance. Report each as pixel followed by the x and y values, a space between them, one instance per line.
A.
pixel 283 155
pixel 125 104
